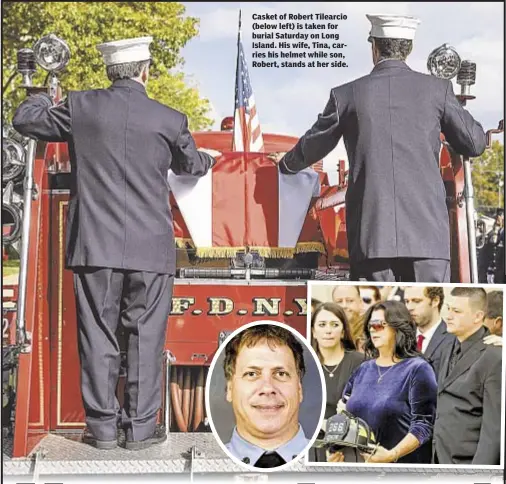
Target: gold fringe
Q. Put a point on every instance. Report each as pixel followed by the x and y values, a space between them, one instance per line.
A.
pixel 303 247
pixel 217 252
pixel 341 253
pixel 268 252
pixel 275 252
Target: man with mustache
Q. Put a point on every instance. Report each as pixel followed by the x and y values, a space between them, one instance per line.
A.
pixel 264 367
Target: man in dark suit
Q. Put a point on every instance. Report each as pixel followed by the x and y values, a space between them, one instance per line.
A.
pixel 424 304
pixel 391 121
pixel 120 240
pixel 494 317
pixel 468 419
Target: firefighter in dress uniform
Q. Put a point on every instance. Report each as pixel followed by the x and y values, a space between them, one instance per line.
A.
pixel 391 120
pixel 120 240
pixel 495 250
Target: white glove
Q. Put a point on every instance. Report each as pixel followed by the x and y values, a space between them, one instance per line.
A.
pixel 493 339
pixel 210 152
pixel 276 157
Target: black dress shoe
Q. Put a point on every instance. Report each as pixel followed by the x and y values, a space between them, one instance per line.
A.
pixel 90 439
pixel 159 436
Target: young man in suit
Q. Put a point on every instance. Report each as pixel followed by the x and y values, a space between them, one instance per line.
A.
pixel 424 304
pixel 391 121
pixel 469 414
pixel 120 238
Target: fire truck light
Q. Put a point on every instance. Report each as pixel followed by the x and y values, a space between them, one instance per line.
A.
pixel 444 62
pixel 51 53
pixel 467 73
pixel 227 124
pixel 466 77
pixel 13 160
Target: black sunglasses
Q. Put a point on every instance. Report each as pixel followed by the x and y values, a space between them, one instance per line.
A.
pixel 367 300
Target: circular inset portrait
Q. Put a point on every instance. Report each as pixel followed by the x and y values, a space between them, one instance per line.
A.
pixel 265 395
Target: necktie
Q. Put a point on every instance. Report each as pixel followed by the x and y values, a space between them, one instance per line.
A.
pixel 454 358
pixel 272 459
pixel 419 342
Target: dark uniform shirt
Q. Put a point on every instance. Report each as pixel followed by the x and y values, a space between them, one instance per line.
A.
pixel 250 453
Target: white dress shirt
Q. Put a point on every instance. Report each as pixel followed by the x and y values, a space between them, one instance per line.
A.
pixel 427 335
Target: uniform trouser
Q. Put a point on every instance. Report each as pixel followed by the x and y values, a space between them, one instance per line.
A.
pixel 402 269
pixel 140 301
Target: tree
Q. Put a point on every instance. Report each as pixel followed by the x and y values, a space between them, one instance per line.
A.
pixel 83 25
pixel 488 179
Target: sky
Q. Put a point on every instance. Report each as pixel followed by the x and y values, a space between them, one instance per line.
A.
pixel 289 100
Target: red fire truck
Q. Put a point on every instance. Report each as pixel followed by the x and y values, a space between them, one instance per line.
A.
pixel 217 290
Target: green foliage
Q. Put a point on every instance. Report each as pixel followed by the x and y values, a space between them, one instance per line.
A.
pixel 12 262
pixel 84 25
pixel 488 179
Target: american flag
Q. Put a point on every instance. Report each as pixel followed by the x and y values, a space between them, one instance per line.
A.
pixel 247 131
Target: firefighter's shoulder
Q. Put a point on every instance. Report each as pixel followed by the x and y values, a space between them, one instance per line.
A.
pixel 167 110
pixel 437 81
pixel 347 86
pixel 345 91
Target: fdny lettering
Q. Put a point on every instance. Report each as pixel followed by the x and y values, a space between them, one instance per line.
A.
pixel 181 304
pixel 219 306
pixel 223 306
pixel 302 303
pixel 264 306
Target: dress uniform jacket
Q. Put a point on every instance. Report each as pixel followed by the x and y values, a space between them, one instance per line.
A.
pixel 391 122
pixel 121 146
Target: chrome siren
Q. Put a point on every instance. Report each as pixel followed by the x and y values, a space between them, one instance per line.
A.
pixel 444 62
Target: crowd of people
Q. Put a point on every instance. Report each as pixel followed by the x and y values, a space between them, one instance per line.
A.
pixel 429 388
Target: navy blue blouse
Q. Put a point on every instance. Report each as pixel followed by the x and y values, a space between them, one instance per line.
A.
pixel 403 402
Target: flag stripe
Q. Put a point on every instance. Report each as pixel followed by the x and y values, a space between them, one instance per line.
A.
pixel 247 132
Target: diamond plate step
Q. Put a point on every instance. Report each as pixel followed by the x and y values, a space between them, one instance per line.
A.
pixel 65 454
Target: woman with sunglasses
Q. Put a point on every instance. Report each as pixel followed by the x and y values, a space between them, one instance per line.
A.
pixel 395 390
pixel 332 341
